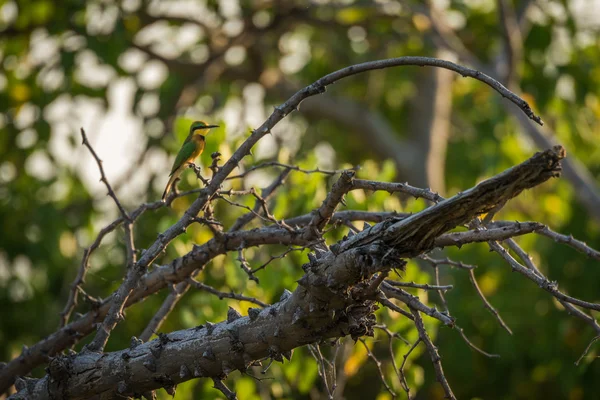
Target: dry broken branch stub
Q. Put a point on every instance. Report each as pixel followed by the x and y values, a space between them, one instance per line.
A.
pixel 419 231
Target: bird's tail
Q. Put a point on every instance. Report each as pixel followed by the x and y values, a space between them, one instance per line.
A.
pixel 172 179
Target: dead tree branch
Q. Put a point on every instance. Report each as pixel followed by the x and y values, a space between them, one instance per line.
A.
pixel 409 236
pixel 330 301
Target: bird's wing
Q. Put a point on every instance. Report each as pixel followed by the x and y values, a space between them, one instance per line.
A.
pixel 185 153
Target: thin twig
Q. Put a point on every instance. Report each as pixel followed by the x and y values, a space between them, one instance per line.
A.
pixel 485 235
pixel 439 291
pixel 266 194
pixel 245 266
pixel 278 257
pixel 460 330
pixel 81 272
pixel 415 303
pixel 165 309
pixel 323 214
pixel 268 216
pixel 433 354
pixel 286 166
pixel 103 179
pixel 569 240
pixel 224 295
pixel 403 381
pixel 392 187
pixel 388 303
pixel 542 282
pixel 391 336
pixel 486 303
pixel 571 309
pixel 472 345
pixel 587 349
pixel 424 286
pixel 446 261
pixel 522 254
pixel 379 369
pixel 324 371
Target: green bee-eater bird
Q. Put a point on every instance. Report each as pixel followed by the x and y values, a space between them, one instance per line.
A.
pixel 192 147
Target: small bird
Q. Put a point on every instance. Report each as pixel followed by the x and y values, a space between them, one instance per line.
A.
pixel 192 147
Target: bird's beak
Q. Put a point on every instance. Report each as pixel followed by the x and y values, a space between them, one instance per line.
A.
pixel 212 126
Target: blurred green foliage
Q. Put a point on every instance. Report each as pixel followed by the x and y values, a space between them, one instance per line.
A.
pixel 76 52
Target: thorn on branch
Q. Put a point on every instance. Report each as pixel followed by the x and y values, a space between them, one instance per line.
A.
pixel 232 315
pixel 220 386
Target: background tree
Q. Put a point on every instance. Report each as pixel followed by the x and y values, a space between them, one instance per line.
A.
pixel 142 64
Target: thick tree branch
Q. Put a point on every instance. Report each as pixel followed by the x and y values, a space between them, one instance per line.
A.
pixel 378 248
pixel 321 307
pixel 541 166
pixel 131 292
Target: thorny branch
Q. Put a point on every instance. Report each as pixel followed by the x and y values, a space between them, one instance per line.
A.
pixel 487 303
pixel 231 241
pixel 433 354
pixel 133 274
pixel 403 376
pixel 345 268
pixel 167 306
pixel 286 166
pixel 327 369
pixel 224 295
pixel 128 218
pixel 103 179
pixel 379 370
pixel 399 372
